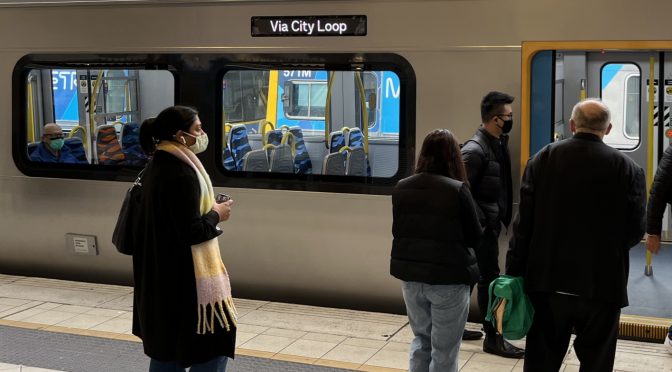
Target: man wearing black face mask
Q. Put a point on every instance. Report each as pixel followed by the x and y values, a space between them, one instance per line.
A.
pixel 488 164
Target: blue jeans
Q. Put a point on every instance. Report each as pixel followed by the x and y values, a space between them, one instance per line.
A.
pixel 217 364
pixel 437 315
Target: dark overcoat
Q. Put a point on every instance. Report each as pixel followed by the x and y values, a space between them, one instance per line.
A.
pixel 164 303
pixel 581 210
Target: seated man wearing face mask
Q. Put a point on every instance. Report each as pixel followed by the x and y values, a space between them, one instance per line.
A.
pixel 52 148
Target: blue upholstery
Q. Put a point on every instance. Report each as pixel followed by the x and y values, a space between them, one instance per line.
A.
pixel 32 147
pixel 130 145
pixel 336 141
pixel 274 137
pixel 302 163
pixel 239 144
pixel 227 159
pixel 356 140
pixel 77 149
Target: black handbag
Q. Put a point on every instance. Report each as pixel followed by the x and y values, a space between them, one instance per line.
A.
pixel 129 216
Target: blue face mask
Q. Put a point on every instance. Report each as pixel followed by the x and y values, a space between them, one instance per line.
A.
pixel 56 144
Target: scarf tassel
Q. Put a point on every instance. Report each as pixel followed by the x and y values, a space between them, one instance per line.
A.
pixel 206 322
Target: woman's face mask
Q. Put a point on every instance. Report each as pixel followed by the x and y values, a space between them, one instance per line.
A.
pixel 201 143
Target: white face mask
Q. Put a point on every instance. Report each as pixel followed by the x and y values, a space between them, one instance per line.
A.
pixel 201 143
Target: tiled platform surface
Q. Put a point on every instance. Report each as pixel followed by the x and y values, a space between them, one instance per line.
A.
pixel 337 338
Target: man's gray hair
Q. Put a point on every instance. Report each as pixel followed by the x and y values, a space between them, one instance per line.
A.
pixel 591 114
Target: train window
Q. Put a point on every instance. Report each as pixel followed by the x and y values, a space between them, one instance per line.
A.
pixel 342 123
pixel 620 90
pixel 244 96
pixel 92 116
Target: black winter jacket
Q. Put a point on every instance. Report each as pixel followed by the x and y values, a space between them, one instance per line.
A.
pixel 581 210
pixel 488 166
pixel 435 228
pixel 660 195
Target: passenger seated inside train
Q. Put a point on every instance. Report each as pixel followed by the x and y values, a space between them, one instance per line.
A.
pixel 52 148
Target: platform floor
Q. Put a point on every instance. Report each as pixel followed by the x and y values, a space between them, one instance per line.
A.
pixel 48 324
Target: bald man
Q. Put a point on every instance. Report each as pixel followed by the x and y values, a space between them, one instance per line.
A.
pixel 52 148
pixel 581 209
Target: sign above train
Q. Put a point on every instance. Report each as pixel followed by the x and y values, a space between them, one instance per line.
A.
pixel 343 25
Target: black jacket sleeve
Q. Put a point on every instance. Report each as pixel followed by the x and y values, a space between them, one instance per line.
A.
pixel 471 226
pixel 474 160
pixel 636 208
pixel 519 245
pixel 660 194
pixel 186 202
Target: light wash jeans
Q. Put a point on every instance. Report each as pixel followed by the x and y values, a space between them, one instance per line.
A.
pixel 217 364
pixel 437 315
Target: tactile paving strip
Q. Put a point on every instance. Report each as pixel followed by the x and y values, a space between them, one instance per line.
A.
pixel 73 353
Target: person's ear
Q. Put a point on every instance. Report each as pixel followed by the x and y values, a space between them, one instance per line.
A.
pixel 572 126
pixel 608 129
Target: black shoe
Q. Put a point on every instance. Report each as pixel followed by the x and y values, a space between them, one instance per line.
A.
pixel 496 344
pixel 471 335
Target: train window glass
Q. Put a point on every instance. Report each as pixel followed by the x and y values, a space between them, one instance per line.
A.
pixel 96 111
pixel 313 122
pixel 620 91
pixel 244 97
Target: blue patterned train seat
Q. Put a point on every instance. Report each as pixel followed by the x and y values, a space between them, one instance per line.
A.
pixel 76 147
pixel 130 145
pixel 274 137
pixel 227 159
pixel 302 163
pixel 239 144
pixel 336 141
pixel 356 140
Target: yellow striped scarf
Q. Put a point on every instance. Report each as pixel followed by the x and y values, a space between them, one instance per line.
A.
pixel 212 280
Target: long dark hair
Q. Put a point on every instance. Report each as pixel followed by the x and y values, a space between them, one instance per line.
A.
pixel 440 154
pixel 164 126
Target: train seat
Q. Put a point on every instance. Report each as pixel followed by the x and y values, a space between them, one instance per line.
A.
pixel 356 162
pixel 273 137
pixel 282 160
pixel 239 144
pixel 79 132
pixel 130 145
pixel 32 147
pixel 334 164
pixel 336 141
pixel 76 147
pixel 108 148
pixel 302 163
pixel 227 159
pixel 355 139
pixel 256 161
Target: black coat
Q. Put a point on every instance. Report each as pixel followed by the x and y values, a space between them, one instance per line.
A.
pixel 488 166
pixel 660 195
pixel 435 228
pixel 164 303
pixel 581 210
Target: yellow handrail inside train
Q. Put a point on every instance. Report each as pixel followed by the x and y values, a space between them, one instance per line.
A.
pixel 327 110
pixel 365 111
pixel 272 101
pixel 227 129
pixel 286 137
pixel 92 111
pixel 31 114
pixel 265 123
pixel 649 151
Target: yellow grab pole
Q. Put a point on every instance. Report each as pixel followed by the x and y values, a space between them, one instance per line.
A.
pixel 648 268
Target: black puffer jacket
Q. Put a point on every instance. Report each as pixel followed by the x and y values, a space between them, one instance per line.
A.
pixel 660 195
pixel 435 229
pixel 488 166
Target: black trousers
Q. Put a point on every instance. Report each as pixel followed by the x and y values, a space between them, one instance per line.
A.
pixel 555 315
pixel 488 265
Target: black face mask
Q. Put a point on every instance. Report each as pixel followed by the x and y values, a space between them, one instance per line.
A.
pixel 508 124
